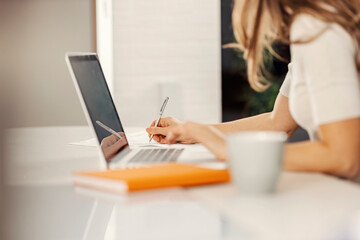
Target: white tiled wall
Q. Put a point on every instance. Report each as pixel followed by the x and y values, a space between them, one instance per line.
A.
pixel 160 41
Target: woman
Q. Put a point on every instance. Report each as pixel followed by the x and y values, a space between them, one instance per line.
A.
pixel 321 91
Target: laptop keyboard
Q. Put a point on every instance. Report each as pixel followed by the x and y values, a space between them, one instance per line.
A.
pixel 156 155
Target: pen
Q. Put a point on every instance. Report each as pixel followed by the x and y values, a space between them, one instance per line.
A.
pixel 108 129
pixel 160 115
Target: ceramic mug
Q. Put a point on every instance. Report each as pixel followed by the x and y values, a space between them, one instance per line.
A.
pixel 255 160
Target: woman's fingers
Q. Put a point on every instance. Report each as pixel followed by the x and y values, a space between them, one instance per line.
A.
pixel 151 125
pixel 159 134
pixel 157 138
pixel 163 123
pixel 157 130
pixel 163 141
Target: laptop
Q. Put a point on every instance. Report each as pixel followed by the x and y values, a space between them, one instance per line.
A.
pixel 102 117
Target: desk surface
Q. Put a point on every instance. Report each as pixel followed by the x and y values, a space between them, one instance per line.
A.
pixel 41 202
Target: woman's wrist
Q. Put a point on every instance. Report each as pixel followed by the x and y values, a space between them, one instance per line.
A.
pixel 193 130
pixel 209 136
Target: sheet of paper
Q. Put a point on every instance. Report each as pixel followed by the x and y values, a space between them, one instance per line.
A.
pixel 91 142
pixel 136 139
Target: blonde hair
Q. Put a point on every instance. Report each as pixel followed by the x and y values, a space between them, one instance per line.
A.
pixel 258 23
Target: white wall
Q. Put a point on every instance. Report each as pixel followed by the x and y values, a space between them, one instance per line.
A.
pixel 104 37
pixel 35 34
pixel 160 41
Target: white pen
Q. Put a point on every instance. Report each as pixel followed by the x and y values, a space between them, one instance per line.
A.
pixel 108 129
pixel 160 115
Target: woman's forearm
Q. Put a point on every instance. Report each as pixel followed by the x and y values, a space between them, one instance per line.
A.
pixel 210 137
pixel 213 136
pixel 305 156
pixel 337 153
pixel 262 122
pixel 259 122
pixel 309 157
pixel 279 119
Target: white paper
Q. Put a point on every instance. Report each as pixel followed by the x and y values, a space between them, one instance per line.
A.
pixel 91 142
pixel 136 140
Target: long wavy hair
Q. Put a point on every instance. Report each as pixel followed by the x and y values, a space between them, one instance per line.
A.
pixel 258 23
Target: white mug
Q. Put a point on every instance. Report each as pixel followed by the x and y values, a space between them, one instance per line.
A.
pixel 255 160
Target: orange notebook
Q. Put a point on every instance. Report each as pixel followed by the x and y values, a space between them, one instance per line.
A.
pixel 159 176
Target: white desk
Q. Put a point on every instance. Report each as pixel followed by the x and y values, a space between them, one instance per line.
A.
pixel 42 204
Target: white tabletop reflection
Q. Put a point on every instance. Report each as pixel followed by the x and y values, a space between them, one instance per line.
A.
pixel 65 212
pixel 41 202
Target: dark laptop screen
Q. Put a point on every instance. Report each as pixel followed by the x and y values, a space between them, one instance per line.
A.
pixel 99 103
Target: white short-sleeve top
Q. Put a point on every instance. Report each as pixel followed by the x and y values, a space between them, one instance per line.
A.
pixel 323 83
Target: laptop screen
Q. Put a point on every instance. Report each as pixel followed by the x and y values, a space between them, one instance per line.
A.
pixel 99 104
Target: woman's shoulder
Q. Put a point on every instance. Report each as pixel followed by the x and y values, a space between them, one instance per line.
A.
pixel 306 27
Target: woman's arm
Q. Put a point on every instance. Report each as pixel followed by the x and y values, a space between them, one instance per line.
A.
pixel 209 136
pixel 279 119
pixel 213 136
pixel 337 153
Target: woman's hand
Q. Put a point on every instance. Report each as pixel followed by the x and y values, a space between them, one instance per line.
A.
pixel 191 132
pixel 178 130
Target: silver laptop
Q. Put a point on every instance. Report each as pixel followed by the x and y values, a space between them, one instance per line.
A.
pixel 103 118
